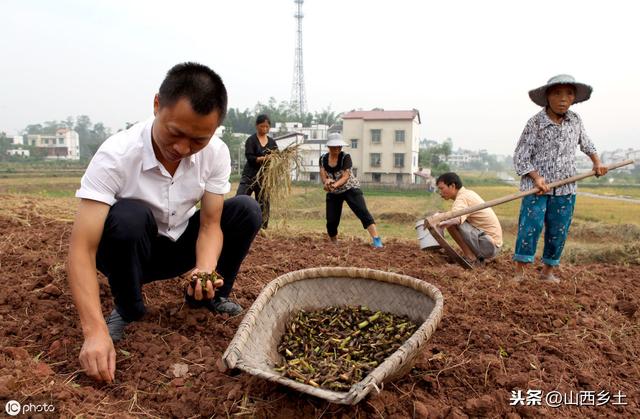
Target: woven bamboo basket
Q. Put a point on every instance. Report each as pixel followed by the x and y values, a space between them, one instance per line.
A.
pixel 254 347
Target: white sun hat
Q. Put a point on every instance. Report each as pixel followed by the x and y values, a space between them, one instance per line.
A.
pixel 335 140
pixel 539 95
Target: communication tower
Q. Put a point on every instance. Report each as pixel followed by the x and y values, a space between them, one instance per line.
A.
pixel 298 96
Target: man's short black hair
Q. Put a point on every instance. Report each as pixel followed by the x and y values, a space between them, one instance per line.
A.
pixel 450 178
pixel 198 83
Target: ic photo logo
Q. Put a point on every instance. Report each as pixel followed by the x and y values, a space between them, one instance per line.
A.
pixel 12 408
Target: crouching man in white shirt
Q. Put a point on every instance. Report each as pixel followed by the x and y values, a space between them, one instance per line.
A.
pixel 137 220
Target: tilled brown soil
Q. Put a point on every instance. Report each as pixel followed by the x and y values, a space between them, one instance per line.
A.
pixel 495 337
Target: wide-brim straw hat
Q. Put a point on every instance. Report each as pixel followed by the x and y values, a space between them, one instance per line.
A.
pixel 335 140
pixel 539 95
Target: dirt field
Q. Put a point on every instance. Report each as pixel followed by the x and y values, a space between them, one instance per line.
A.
pixel 580 336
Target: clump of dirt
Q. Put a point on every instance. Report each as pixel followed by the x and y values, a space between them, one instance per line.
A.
pixel 496 338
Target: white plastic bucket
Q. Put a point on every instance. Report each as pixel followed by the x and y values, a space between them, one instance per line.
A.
pixel 424 237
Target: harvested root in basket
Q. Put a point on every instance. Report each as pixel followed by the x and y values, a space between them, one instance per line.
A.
pixel 336 347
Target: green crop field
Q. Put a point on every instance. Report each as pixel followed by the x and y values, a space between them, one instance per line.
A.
pixel 600 225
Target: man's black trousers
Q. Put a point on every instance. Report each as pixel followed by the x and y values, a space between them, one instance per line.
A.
pixel 131 253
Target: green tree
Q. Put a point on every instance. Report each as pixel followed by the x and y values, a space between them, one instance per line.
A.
pixel 278 112
pixel 50 127
pixel 235 144
pixel 306 119
pixel 100 132
pixel 96 137
pixel 5 144
pixel 83 128
pixel 326 117
pixel 435 157
pixel 33 129
pixel 240 121
pixel 244 121
pixel 69 122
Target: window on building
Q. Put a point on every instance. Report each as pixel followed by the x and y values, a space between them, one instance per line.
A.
pixel 376 136
pixel 398 160
pixel 376 177
pixel 354 143
pixel 399 177
pixel 313 177
pixel 60 140
pixel 399 136
pixel 375 159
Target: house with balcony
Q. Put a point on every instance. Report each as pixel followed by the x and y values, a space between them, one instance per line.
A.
pixel 64 144
pixel 383 145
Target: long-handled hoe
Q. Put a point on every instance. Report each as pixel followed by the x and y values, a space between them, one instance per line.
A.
pixel 431 222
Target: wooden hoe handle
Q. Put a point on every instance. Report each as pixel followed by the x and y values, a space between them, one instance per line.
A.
pixel 434 219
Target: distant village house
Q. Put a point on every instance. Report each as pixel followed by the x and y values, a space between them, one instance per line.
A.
pixel 64 145
pixel 384 145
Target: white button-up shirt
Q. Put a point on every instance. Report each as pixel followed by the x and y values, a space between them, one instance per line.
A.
pixel 125 167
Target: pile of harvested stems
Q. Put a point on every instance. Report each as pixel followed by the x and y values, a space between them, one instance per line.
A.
pixel 336 347
pixel 274 175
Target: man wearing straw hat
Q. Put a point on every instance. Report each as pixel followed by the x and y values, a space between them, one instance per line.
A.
pixel 546 153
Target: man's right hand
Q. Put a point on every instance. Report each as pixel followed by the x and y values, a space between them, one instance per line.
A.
pixel 194 287
pixel 98 357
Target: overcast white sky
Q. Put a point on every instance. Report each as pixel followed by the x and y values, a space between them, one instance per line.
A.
pixel 465 65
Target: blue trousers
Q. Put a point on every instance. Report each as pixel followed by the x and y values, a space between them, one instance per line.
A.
pixel 552 212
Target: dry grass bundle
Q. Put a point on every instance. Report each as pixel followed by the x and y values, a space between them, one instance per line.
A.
pixel 274 176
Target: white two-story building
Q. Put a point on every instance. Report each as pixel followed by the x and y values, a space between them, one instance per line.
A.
pixel 384 145
pixel 65 144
